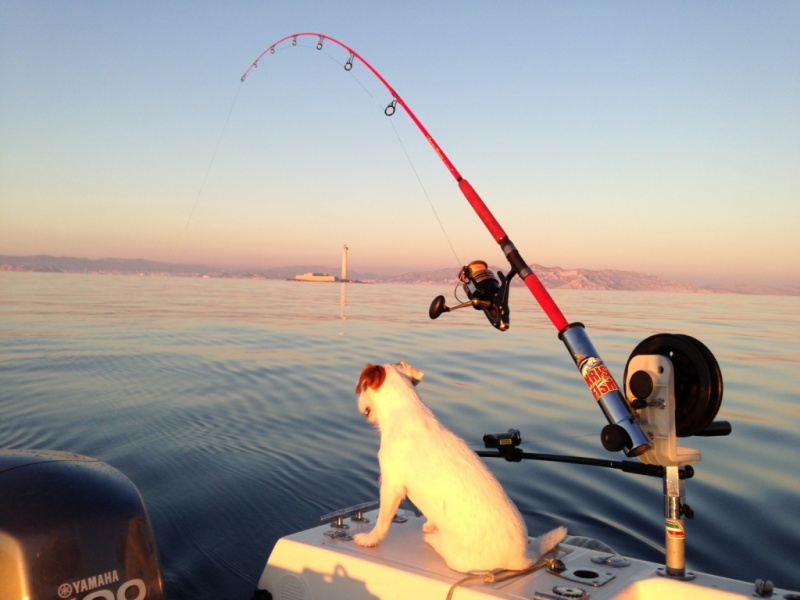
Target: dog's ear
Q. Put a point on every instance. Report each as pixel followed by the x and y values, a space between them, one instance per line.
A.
pixel 372 376
pixel 410 371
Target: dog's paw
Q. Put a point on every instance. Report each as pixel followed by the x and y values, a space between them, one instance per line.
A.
pixel 429 527
pixel 366 540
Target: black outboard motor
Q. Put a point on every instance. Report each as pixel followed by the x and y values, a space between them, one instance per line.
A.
pixel 73 528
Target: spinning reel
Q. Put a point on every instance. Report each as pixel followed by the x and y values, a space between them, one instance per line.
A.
pixel 485 292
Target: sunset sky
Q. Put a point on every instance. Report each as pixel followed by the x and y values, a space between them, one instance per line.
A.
pixel 660 137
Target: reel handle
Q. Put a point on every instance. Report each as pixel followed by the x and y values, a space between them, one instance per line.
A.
pixel 438 306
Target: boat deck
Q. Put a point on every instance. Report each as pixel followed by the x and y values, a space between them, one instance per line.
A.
pixel 313 564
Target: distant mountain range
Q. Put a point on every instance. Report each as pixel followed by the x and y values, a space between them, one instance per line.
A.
pixel 553 278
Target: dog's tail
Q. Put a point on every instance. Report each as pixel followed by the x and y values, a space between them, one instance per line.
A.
pixel 546 542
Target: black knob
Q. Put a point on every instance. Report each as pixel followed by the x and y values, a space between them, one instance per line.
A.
pixel 614 438
pixel 437 307
pixel 640 385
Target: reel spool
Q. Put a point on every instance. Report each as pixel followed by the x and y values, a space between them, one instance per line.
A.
pixel 698 380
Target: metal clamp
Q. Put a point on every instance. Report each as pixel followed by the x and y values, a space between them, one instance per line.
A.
pixel 357 511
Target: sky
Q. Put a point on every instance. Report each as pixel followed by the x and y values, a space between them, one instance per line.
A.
pixel 659 137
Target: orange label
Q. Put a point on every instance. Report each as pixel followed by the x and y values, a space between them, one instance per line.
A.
pixel 599 380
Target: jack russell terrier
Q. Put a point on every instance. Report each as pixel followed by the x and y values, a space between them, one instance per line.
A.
pixel 470 521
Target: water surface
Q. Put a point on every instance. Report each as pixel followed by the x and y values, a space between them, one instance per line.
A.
pixel 230 404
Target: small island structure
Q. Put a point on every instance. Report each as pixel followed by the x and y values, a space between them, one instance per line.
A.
pixel 318 277
pixel 325 277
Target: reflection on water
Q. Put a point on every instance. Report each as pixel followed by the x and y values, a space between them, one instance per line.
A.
pixel 230 404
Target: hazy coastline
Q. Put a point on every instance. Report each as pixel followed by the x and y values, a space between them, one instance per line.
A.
pixel 551 277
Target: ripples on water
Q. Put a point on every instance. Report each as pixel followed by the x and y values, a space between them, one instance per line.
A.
pixel 231 405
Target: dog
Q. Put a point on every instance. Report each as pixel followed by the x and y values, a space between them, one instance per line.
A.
pixel 470 521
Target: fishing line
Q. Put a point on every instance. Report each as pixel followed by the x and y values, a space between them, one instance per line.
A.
pixel 348 66
pixel 213 156
pixel 413 169
pixel 623 430
pixel 427 197
pixel 208 170
pixel 530 279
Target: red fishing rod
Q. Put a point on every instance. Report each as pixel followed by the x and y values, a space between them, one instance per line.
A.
pixel 623 431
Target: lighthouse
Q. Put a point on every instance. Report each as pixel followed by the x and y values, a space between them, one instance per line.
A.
pixel 344 262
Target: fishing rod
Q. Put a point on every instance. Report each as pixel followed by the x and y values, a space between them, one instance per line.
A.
pixel 486 293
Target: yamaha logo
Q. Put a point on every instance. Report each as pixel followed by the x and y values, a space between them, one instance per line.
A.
pixel 75 590
pixel 64 590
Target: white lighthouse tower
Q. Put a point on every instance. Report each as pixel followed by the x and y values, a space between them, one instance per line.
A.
pixel 344 262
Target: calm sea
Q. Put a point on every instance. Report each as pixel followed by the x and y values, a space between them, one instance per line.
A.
pixel 231 405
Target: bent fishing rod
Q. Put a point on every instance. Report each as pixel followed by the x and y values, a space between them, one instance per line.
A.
pixel 486 293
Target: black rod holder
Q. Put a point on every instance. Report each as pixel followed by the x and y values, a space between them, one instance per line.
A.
pixel 626 466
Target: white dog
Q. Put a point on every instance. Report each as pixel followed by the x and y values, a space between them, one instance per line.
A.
pixel 471 522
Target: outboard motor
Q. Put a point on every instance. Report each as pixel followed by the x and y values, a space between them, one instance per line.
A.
pixel 73 528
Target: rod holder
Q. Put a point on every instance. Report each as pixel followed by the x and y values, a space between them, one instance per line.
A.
pixel 603 387
pixel 674 530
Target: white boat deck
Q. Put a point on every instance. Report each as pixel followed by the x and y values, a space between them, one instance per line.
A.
pixel 311 564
